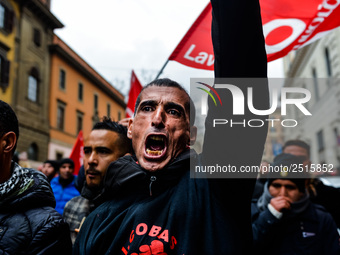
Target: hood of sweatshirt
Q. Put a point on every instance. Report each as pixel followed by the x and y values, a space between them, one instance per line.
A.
pixel 125 175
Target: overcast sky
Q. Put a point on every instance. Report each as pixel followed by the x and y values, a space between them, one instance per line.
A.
pixel 115 36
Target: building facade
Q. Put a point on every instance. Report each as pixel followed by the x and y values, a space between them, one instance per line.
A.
pixel 53 91
pixel 316 68
pixel 32 80
pixel 79 98
pixel 274 140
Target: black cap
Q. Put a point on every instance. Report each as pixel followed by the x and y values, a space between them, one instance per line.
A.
pixel 288 167
pixel 54 164
pixel 66 161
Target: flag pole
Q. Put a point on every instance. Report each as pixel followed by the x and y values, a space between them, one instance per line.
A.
pixel 161 71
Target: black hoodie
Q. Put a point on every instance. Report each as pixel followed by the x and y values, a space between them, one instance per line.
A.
pixel 171 213
pixel 165 211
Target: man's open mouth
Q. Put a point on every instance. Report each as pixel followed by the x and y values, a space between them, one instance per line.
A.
pixel 155 146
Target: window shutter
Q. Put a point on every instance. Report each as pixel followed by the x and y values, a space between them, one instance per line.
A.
pixel 35 73
pixel 10 21
pixel 4 74
pixel 6 21
pixel 2 69
pixel 37 37
pixel 6 71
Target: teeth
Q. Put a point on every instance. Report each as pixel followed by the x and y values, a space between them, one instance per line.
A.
pixel 157 138
pixel 154 153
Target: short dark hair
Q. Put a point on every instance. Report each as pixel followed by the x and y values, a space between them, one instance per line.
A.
pixel 53 163
pixel 108 124
pixel 8 121
pixel 166 82
pixel 298 143
pixel 66 161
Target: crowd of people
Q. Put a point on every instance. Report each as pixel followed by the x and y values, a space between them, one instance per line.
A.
pixel 134 193
pixel 287 218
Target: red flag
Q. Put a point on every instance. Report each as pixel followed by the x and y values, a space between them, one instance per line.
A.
pixel 195 49
pixel 77 153
pixel 135 89
pixel 290 25
pixel 287 25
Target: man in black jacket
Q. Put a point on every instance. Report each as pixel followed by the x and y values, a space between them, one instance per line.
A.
pixel 28 222
pixel 284 219
pixel 327 196
pixel 155 207
pixel 105 144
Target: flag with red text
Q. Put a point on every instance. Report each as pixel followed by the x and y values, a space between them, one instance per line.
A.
pixel 195 49
pixel 135 89
pixel 287 25
pixel 77 153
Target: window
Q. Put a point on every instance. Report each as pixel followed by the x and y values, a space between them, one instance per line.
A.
pixel 60 115
pixel 328 63
pixel 62 79
pixel 4 73
pixel 95 117
pixel 108 110
pixel 321 145
pixel 95 104
pixel 80 91
pixel 80 117
pixel 32 88
pixel 316 85
pixel 59 155
pixel 6 18
pixel 33 152
pixel 33 85
pixel 2 16
pixel 119 115
pixel 37 37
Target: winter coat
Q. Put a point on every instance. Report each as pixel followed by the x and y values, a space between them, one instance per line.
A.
pixel 63 194
pixel 163 211
pixel 78 208
pixel 306 229
pixel 29 224
pixel 328 197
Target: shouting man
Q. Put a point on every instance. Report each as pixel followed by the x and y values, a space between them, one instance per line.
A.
pixel 154 207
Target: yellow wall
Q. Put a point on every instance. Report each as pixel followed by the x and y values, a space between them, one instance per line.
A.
pixel 9 40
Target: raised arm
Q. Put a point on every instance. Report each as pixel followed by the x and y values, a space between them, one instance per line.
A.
pixel 238 39
pixel 240 60
pixel 240 57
